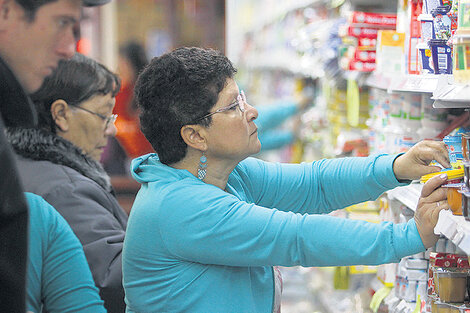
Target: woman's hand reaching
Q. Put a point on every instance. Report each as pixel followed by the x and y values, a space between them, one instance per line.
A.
pixel 415 163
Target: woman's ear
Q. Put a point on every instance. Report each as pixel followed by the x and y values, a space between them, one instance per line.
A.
pixel 60 116
pixel 193 136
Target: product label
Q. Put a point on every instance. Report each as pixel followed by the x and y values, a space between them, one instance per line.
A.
pixel 442 61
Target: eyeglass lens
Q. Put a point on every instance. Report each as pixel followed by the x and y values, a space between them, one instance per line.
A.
pixel 241 101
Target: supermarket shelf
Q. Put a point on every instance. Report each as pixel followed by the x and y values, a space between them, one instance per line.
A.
pixel 455 228
pixel 403 83
pixel 446 104
pixel 414 83
pixel 408 195
pixel 446 93
pixel 451 95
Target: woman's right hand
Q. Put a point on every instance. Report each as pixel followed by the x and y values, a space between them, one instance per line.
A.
pixel 433 199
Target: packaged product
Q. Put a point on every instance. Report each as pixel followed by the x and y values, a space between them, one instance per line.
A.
pixel 454 147
pixel 427 27
pixel 380 20
pixel 444 23
pixel 441 56
pixel 424 59
pixel 451 284
pixel 454 197
pixel 362 32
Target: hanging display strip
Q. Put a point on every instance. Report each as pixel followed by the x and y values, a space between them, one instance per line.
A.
pixel 414 83
pixel 408 195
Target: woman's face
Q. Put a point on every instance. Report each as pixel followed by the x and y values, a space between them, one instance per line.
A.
pixel 87 130
pixel 233 133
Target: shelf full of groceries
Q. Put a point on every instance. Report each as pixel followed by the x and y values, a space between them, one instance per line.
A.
pixel 410 73
pixel 437 280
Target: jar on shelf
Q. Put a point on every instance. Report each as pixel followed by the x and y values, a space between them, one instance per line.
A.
pixel 451 284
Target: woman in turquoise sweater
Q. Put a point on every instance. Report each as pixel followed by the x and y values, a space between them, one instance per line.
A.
pixel 210 224
pixel 58 277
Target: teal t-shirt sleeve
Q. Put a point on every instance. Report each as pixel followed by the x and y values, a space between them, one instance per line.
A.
pixel 318 187
pixel 66 281
pixel 220 228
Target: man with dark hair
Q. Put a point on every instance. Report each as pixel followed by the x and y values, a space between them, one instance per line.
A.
pixel 34 36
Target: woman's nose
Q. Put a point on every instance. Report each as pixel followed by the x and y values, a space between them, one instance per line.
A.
pixel 111 130
pixel 251 112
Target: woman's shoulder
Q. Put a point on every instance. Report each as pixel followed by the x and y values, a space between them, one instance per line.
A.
pixel 39 175
pixel 63 187
pixel 249 167
pixel 35 172
pixel 42 216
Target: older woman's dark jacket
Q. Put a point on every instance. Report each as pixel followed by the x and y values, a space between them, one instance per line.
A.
pixel 78 187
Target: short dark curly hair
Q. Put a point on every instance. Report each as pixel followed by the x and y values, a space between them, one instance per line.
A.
pixel 177 89
pixel 74 81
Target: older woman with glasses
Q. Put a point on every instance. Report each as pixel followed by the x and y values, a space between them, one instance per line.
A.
pixel 210 224
pixel 60 162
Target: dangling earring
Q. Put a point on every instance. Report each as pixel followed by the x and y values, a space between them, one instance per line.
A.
pixel 201 171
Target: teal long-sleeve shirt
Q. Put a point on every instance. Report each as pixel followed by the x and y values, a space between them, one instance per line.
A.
pixel 58 276
pixel 192 247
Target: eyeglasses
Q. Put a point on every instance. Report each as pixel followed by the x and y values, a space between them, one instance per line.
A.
pixel 109 120
pixel 240 102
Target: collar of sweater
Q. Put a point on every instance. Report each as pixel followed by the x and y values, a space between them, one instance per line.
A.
pixel 41 145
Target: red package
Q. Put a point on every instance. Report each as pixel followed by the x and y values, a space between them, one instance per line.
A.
pixel 415 25
pixel 365 55
pixel 362 32
pixel 356 65
pixel 366 42
pixel 446 262
pixel 378 20
pixel 462 262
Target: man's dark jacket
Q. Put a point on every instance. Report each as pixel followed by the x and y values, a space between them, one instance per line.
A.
pixel 15 110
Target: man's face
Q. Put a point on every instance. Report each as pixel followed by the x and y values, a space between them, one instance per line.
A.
pixel 32 49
